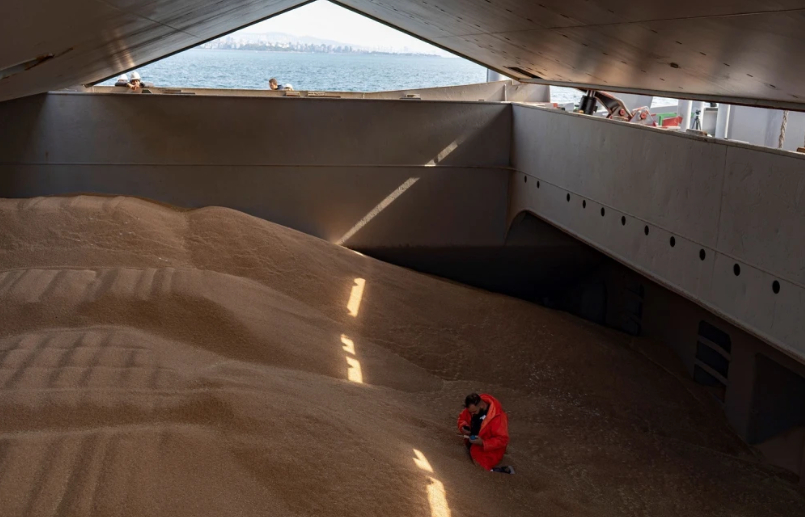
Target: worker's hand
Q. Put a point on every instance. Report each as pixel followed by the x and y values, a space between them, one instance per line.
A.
pixel 477 441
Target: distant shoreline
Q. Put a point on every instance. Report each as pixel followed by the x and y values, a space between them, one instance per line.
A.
pixel 292 51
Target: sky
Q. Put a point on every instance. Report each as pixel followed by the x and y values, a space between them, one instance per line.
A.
pixel 324 20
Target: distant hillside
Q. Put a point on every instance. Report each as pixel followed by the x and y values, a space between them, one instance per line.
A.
pixel 281 37
pixel 279 41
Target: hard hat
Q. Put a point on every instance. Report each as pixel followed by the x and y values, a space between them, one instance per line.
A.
pixel 289 86
pixel 135 76
pixel 123 78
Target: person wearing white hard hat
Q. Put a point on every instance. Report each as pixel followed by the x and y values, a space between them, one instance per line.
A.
pixel 273 85
pixel 123 80
pixel 136 83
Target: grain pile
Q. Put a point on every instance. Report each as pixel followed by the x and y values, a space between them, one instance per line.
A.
pixel 155 361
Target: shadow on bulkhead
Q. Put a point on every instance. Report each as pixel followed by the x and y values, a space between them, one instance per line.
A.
pixel 537 262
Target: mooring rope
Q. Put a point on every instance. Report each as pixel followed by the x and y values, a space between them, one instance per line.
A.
pixel 782 130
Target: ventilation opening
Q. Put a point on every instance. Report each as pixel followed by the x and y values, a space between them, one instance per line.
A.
pixel 712 364
pixel 715 335
pixel 520 71
pixel 714 359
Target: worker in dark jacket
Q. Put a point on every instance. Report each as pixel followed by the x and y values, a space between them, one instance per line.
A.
pixel 485 428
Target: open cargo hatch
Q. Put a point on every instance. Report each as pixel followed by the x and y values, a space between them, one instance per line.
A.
pixel 743 51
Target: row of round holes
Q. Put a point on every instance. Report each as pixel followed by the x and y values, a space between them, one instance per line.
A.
pixel 736 269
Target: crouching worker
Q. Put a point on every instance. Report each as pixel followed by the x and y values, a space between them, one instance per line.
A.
pixel 485 428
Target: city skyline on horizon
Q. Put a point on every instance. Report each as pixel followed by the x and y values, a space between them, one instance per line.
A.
pixel 277 39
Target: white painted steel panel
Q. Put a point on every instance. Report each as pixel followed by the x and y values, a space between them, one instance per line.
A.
pixel 126 129
pixel 763 211
pixel 678 177
pixel 758 222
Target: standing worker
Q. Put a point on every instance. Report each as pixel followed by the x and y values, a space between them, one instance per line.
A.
pixel 485 428
pixel 136 83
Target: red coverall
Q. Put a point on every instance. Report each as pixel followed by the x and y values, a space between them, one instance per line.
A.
pixel 494 432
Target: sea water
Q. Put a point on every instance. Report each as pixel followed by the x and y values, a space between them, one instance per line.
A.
pixel 251 69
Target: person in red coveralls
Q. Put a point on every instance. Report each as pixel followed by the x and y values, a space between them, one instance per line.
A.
pixel 485 428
